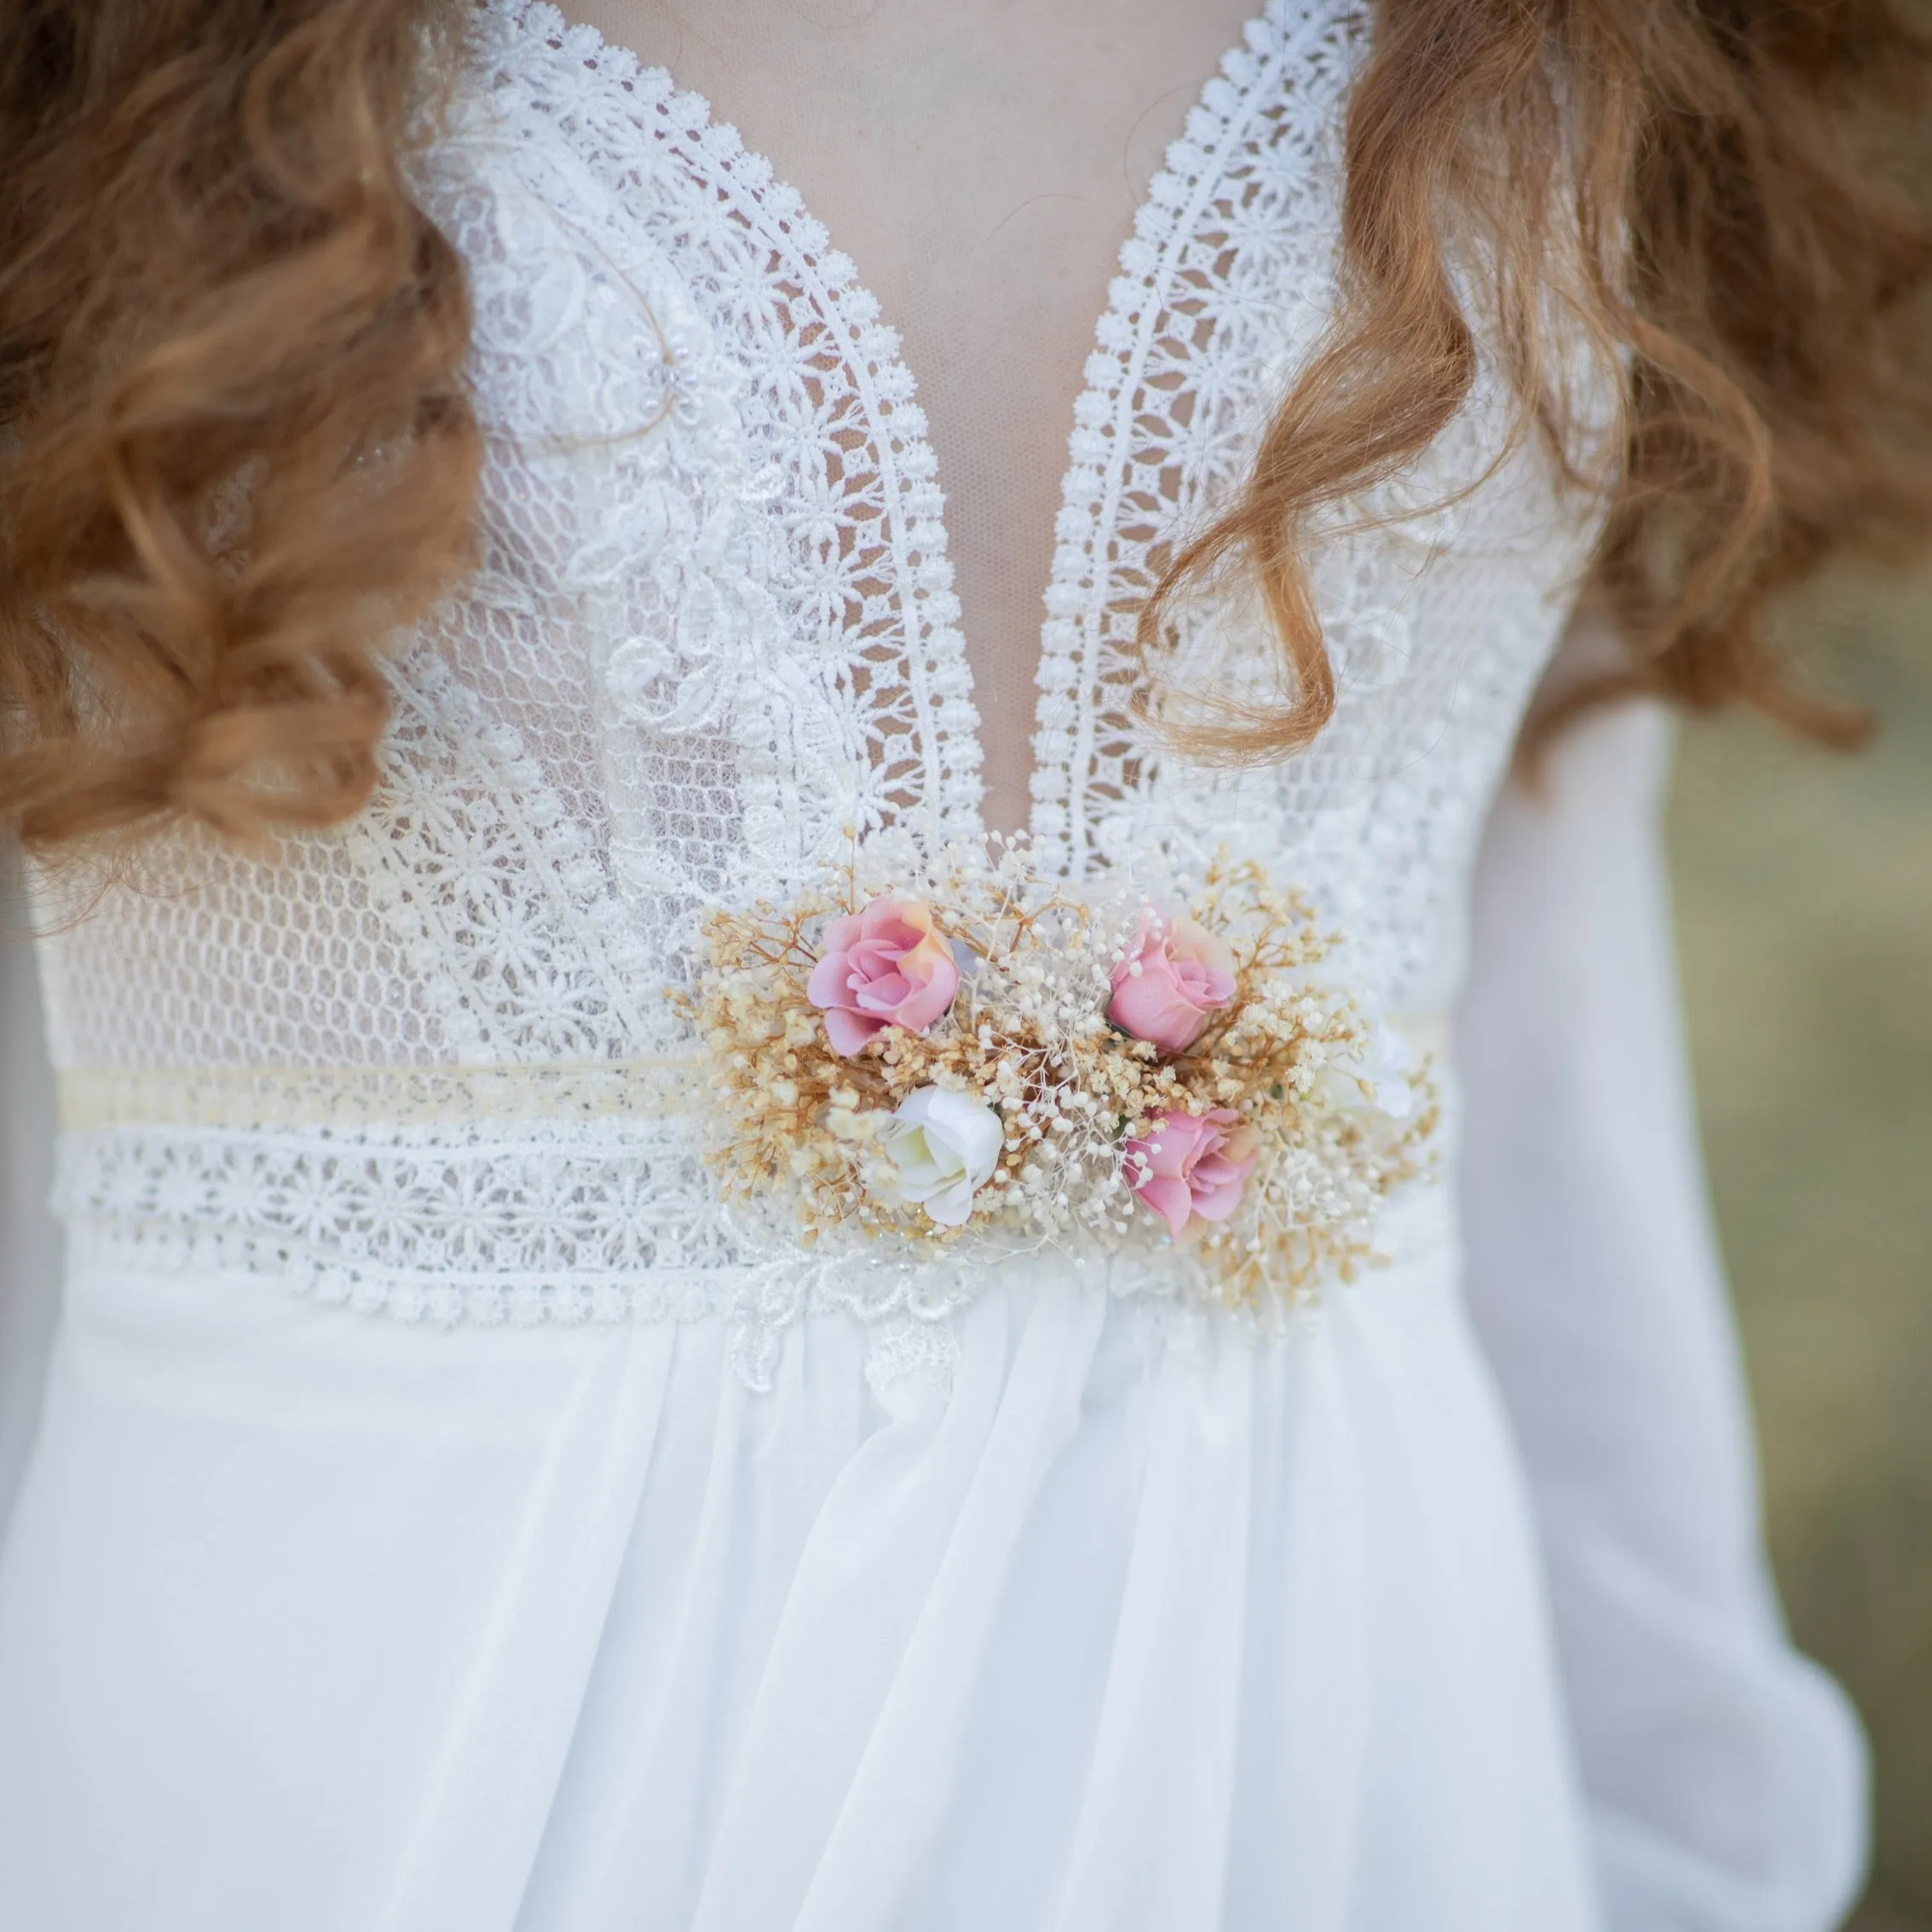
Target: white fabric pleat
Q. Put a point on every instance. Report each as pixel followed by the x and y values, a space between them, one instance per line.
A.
pixel 1174 1670
pixel 1131 1627
pixel 531 1644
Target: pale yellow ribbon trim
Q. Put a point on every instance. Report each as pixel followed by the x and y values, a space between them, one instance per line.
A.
pixel 267 1098
pixel 243 1099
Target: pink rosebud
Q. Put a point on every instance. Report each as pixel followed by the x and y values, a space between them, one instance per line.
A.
pixel 1177 974
pixel 884 966
pixel 1190 1168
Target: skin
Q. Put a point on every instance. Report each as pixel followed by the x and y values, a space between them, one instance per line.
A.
pixel 981 161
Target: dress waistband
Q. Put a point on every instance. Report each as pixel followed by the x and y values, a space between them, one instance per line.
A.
pixel 526 1195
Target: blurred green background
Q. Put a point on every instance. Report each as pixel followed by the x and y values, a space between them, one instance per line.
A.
pixel 1803 885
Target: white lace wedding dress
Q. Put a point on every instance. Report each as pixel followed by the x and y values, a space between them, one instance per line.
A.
pixel 445 1516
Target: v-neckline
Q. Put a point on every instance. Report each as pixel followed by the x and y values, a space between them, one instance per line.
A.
pixel 1080 582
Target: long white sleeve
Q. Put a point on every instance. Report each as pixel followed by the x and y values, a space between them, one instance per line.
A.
pixel 1725 1773
pixel 29 1241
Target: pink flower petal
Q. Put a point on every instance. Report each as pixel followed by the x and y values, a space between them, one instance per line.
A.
pixel 1169 1199
pixel 831 979
pixel 886 965
pixel 1192 1169
pixel 1169 985
pixel 1216 1202
pixel 885 994
pixel 848 1031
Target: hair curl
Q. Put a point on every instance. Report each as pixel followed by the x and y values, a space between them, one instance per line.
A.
pixel 1723 194
pixel 236 450
pixel 235 446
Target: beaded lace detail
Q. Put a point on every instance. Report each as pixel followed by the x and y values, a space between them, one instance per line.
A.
pixel 712 638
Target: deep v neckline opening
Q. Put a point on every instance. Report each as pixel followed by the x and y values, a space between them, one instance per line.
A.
pixel 929 655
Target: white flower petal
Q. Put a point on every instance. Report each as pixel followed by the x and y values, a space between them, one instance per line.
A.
pixel 940 1149
pixel 973 1129
pixel 952 1206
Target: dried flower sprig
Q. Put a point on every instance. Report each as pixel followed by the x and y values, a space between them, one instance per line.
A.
pixel 927 1052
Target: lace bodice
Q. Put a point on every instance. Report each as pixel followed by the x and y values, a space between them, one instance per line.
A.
pixel 711 639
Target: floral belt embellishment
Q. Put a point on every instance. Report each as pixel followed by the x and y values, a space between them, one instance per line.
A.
pixel 965 1047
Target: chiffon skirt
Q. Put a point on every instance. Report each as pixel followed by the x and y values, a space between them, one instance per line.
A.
pixel 316 1623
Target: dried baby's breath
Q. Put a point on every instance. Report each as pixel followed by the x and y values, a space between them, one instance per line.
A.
pixel 1027 1036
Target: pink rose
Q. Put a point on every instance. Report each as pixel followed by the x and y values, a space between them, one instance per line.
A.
pixel 885 967
pixel 1190 1168
pixel 1177 974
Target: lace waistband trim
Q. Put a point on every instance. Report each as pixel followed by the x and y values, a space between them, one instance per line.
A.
pixel 907 1309
pixel 527 1196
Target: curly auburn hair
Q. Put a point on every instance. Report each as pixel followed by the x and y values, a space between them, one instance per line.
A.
pixel 236 449
pixel 235 446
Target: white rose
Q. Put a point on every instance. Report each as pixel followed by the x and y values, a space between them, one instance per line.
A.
pixel 937 1150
